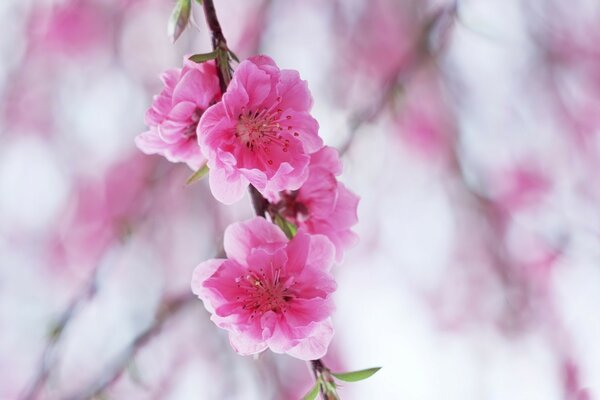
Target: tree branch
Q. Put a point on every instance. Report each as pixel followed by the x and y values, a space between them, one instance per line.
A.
pixel 168 309
pixel 219 44
pixel 49 354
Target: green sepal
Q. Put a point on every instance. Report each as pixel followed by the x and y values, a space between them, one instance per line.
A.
pixel 356 376
pixel 196 176
pixel 314 392
pixel 286 226
pixel 200 58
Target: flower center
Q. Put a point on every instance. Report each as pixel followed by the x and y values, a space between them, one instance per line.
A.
pixel 261 293
pixel 260 130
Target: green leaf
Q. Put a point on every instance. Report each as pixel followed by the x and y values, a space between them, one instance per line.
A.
pixel 356 376
pixel 196 176
pixel 286 226
pixel 314 392
pixel 180 16
pixel 200 58
pixel 199 2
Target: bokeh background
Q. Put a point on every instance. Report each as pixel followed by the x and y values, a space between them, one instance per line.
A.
pixel 470 129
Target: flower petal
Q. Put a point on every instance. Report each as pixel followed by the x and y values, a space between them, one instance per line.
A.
pixel 201 273
pixel 240 238
pixel 321 253
pixel 314 346
pixel 227 187
pixel 246 345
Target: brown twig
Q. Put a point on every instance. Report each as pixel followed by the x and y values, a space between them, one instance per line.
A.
pixel 219 44
pixel 402 74
pixel 323 376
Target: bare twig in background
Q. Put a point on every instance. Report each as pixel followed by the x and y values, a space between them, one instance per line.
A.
pixel 49 354
pixel 168 309
pixel 403 73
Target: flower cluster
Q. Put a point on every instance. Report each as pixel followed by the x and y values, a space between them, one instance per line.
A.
pixel 272 291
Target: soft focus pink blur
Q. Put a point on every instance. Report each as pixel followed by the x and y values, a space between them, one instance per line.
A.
pixel 470 129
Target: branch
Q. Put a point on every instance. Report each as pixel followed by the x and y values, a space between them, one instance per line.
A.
pixel 324 379
pixel 402 74
pixel 168 309
pixel 219 44
pixel 49 354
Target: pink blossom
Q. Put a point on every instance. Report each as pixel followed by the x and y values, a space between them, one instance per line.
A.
pixel 260 133
pixel 175 112
pixel 523 185
pixel 323 205
pixel 71 27
pixel 270 292
pixel 425 122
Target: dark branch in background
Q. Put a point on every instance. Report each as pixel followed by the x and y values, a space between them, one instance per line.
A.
pixel 168 309
pixel 400 77
pixel 48 358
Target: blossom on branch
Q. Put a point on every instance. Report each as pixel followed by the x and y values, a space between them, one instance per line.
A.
pixel 173 117
pixel 261 133
pixel 270 292
pixel 323 205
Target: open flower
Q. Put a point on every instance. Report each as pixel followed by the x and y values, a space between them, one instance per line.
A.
pixel 323 205
pixel 173 117
pixel 260 133
pixel 270 292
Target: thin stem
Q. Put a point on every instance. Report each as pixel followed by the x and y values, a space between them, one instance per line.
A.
pixel 219 43
pixel 49 355
pixel 324 379
pixel 400 76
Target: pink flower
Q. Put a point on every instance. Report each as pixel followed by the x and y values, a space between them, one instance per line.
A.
pixel 260 133
pixel 323 205
pixel 270 292
pixel 71 27
pixel 175 112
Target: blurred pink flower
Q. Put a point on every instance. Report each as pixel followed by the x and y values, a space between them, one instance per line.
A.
pixel 323 205
pixel 72 27
pixel 381 41
pixel 520 186
pixel 260 133
pixel 102 212
pixel 270 292
pixel 425 121
pixel 175 112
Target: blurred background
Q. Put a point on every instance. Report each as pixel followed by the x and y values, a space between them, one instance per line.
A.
pixel 470 129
